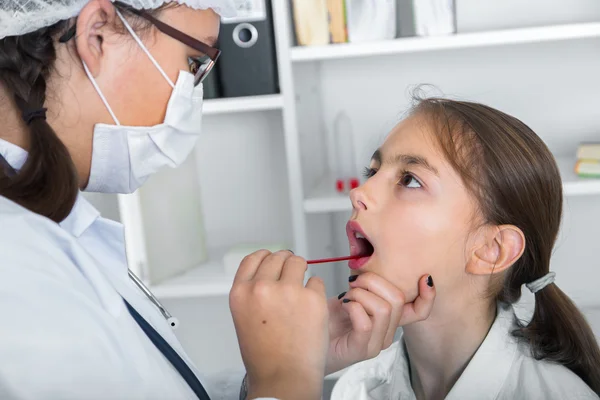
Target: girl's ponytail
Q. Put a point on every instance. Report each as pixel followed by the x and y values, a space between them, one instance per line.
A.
pixel 558 332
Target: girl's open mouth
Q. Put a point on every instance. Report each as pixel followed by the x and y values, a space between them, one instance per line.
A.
pixel 360 245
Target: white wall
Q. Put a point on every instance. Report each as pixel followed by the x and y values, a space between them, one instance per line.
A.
pixel 479 15
pixel 243 179
pixel 552 87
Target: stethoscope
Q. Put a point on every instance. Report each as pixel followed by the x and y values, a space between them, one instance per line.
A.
pixel 171 320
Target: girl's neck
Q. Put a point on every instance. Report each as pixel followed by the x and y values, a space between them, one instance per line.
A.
pixel 440 348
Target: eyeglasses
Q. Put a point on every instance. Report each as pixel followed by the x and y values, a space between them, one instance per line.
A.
pixel 199 66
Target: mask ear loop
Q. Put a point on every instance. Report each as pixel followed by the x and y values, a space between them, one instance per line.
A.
pixel 70 34
pixel 139 42
pixel 110 111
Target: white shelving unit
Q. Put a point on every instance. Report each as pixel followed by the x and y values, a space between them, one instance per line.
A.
pixel 301 118
pixel 243 104
pixel 458 41
pixel 573 184
pixel 205 280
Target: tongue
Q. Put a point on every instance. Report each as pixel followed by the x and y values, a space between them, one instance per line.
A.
pixel 365 247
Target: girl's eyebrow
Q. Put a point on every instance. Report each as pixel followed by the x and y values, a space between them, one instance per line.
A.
pixel 405 159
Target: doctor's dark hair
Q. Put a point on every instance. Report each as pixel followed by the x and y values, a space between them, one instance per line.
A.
pixel 515 178
pixel 47 184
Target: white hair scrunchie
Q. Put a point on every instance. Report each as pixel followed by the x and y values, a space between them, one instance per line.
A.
pixel 541 283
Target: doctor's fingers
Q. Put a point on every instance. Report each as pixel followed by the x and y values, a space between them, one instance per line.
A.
pixel 420 308
pixel 272 265
pixel 249 266
pixel 383 288
pixel 378 310
pixel 294 270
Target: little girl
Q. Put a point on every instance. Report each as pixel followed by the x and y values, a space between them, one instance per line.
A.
pixel 474 197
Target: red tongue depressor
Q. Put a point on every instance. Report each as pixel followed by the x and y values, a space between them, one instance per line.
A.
pixel 330 260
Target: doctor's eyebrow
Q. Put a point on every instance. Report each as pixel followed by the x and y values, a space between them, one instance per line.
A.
pixel 405 159
pixel 210 40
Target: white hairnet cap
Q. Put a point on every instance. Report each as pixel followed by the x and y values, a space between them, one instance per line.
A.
pixel 18 17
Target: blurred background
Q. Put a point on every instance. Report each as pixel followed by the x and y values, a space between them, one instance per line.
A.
pixel 303 94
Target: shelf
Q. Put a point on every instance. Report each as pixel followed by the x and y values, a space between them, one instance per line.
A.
pixel 242 104
pixel 324 199
pixel 573 184
pixel 206 280
pixel 456 41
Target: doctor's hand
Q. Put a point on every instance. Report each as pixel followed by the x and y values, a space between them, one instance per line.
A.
pixel 363 321
pixel 281 325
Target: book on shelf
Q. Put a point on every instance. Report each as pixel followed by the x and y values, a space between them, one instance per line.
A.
pixel 588 160
pixel 338 31
pixel 311 22
pixel 588 168
pixel 322 22
pixel 589 151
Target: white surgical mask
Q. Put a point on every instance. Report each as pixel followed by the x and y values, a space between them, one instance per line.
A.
pixel 123 157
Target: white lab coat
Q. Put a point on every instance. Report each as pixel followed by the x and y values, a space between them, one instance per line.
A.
pixel 501 369
pixel 65 332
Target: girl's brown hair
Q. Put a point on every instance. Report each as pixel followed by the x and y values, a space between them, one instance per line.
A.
pixel 47 183
pixel 514 176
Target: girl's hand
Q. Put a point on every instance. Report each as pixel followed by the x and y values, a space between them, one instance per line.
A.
pixel 282 326
pixel 364 324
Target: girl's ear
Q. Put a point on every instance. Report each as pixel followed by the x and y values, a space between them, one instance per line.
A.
pixel 495 250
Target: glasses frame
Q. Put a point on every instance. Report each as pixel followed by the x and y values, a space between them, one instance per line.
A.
pixel 212 53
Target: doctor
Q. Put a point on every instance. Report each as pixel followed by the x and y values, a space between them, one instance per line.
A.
pixel 97 95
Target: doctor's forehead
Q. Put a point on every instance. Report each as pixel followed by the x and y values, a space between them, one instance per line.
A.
pixel 202 25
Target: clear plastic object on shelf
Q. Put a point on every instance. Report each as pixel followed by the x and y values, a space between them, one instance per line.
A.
pixel 371 20
pixel 345 174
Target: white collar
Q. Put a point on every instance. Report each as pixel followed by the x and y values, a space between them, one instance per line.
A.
pixel 388 375
pixel 499 349
pixel 13 154
pixel 83 214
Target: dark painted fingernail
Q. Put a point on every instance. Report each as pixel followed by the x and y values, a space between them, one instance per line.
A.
pixel 352 278
pixel 346 301
pixel 291 251
pixel 429 281
pixel 341 295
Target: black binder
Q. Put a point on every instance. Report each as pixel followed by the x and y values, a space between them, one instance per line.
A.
pixel 211 85
pixel 248 62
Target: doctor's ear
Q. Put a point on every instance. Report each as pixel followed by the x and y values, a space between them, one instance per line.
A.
pixel 495 249
pixel 94 23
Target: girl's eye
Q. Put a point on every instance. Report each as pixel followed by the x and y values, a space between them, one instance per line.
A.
pixel 409 181
pixel 369 172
